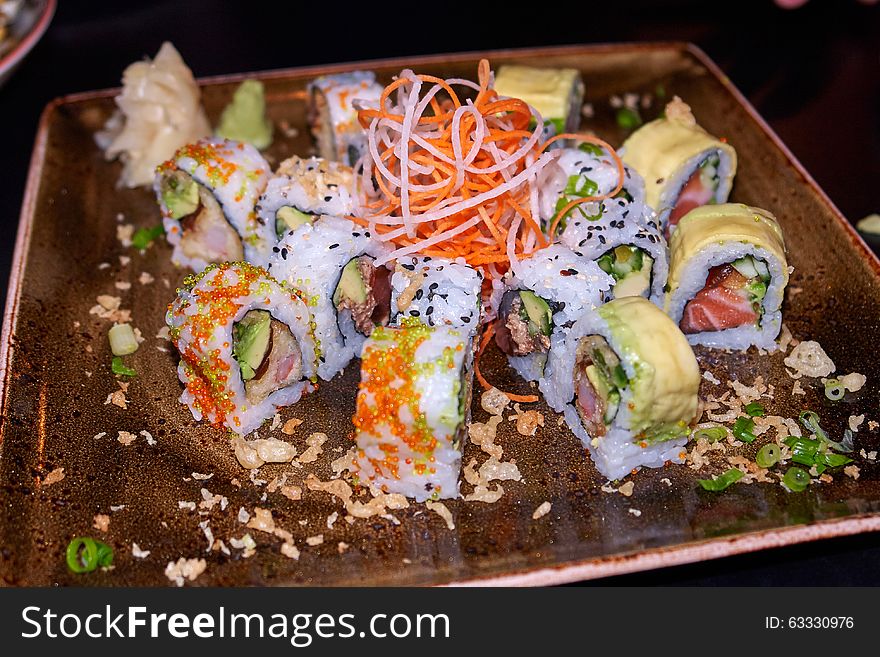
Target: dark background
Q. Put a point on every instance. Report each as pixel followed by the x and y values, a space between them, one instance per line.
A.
pixel 812 73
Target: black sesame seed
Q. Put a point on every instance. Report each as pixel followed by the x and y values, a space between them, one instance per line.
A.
pixel 327 199
pixel 466 319
pixel 409 267
pixel 275 249
pixel 333 246
pixel 419 293
pixel 602 239
pixel 284 254
pixel 414 313
pixel 430 310
pixel 581 243
pixel 433 286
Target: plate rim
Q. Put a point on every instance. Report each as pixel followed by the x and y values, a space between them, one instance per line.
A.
pixel 566 572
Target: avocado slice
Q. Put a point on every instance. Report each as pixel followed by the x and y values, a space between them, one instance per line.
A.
pixel 351 285
pixel 180 194
pixel 597 379
pixel 537 313
pixel 289 218
pixel 251 341
pixel 637 283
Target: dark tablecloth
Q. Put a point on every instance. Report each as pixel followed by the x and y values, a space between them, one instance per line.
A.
pixel 812 73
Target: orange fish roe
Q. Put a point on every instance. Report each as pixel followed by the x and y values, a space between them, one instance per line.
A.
pixel 207 301
pixel 211 156
pixel 387 387
pixel 394 424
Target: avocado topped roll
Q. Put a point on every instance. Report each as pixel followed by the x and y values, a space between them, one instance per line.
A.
pixel 556 93
pixel 207 193
pixel 727 277
pixel 437 292
pixel 333 117
pixel 630 249
pixel 544 295
pixel 626 381
pixel 303 189
pixel 246 344
pixel 412 410
pixel 331 261
pixel 588 170
pixel 683 166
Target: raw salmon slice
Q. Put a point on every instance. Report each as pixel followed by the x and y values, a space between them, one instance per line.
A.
pixel 722 304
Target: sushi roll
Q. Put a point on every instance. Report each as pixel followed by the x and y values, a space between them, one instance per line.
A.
pixel 629 248
pixel 727 277
pixel 437 292
pixel 683 166
pixel 207 193
pixel 412 406
pixel 331 261
pixel 588 170
pixel 246 345
pixel 303 189
pixel 333 116
pixel 544 295
pixel 556 93
pixel 626 380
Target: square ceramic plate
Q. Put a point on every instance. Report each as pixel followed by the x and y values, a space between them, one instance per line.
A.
pixel 56 378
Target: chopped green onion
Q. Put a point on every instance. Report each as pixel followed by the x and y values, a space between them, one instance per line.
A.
pixel 768 455
pixel 743 429
pixel 833 460
pixel 722 481
pixel 660 91
pixel 85 554
pixel 122 340
pixel 755 409
pixel 796 479
pixel 834 389
pixel 628 119
pixel 813 452
pixel 810 420
pixel 803 450
pixel 712 434
pixel 119 367
pixel 593 149
pixel 144 236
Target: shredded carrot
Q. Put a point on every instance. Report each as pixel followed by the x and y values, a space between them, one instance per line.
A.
pixel 454 150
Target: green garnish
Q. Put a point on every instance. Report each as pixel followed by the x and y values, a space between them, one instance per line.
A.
pixel 834 389
pixel 796 479
pixel 143 237
pixel 754 409
pixel 811 421
pixel 807 451
pixel 628 119
pixel 722 481
pixel 119 367
pixel 768 455
pixel 743 429
pixel 86 554
pixel 581 186
pixel 712 434
pixel 660 91
pixel 592 149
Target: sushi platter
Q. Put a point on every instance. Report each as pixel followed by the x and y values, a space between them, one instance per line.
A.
pixel 517 317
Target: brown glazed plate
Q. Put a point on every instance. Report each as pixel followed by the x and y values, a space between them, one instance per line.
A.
pixel 51 409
